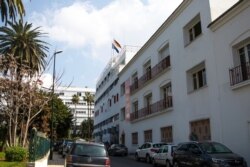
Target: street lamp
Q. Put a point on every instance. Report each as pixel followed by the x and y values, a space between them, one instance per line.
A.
pixel 52 102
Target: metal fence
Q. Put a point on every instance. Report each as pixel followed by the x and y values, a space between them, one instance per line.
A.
pixel 39 146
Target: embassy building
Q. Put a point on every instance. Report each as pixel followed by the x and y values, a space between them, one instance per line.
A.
pixel 191 76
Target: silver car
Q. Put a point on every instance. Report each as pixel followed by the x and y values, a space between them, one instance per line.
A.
pixel 86 154
pixel 164 156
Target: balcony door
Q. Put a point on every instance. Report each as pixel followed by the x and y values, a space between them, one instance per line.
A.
pixel 244 54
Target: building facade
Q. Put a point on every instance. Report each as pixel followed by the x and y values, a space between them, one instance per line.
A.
pixel 80 111
pixel 191 77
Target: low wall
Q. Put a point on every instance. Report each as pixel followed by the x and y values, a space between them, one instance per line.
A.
pixel 40 163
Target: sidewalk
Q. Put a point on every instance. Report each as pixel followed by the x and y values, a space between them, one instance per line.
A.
pixel 57 161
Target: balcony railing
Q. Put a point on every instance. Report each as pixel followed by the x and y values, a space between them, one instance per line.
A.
pixel 151 109
pixel 157 69
pixel 239 74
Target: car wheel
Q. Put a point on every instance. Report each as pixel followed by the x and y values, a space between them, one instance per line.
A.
pixel 168 164
pixel 148 160
pixel 136 157
pixel 153 162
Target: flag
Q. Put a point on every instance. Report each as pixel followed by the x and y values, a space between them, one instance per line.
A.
pixel 116 46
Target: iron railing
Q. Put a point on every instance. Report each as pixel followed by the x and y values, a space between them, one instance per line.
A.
pixel 239 73
pixel 157 69
pixel 151 109
pixel 39 146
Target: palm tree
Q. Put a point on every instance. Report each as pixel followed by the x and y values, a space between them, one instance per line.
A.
pixel 23 42
pixel 89 98
pixel 11 8
pixel 75 100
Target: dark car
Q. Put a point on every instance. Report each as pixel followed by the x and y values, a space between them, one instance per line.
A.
pixel 66 149
pixel 118 149
pixel 206 154
pixel 63 145
pixel 85 154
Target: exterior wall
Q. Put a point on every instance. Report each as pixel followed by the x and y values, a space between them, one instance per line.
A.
pixel 226 107
pixel 66 93
pixel 107 121
pixel 233 105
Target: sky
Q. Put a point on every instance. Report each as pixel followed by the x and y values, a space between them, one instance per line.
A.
pixel 84 30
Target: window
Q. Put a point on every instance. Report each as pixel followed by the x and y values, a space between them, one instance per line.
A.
pixel 147 70
pixel 135 80
pixel 122 88
pixel 166 94
pixel 79 93
pixel 199 79
pixel 148 102
pixel 166 134
pixel 135 138
pixel 244 56
pixel 200 130
pixel 135 109
pixel 148 136
pixel 164 52
pixel 192 30
pixel 122 114
pixel 196 77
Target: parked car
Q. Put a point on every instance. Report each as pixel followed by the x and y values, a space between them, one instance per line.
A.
pixel 57 145
pixel 147 150
pixel 164 156
pixel 63 144
pixel 118 149
pixel 206 154
pixel 87 154
pixel 66 148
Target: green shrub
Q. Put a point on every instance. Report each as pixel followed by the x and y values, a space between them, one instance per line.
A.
pixel 16 154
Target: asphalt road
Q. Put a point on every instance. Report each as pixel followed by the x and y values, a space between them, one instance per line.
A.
pixel 128 161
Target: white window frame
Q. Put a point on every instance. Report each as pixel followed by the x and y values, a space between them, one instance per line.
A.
pixel 194 77
pixel 189 30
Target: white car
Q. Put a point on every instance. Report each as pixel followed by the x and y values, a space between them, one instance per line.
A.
pixel 147 150
pixel 164 156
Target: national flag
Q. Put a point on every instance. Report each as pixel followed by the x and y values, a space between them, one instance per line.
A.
pixel 117 44
pixel 114 47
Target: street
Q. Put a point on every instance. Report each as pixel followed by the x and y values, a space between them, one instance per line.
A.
pixel 128 161
pixel 116 161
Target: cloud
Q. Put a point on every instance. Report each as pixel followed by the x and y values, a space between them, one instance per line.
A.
pixel 83 26
pixel 85 30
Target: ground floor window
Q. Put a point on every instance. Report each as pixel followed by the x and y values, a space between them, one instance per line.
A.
pixel 200 130
pixel 148 136
pixel 167 134
pixel 135 138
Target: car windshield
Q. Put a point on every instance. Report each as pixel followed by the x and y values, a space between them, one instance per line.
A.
pixel 215 148
pixel 89 150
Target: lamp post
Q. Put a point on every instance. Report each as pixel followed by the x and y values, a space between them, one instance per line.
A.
pixel 52 103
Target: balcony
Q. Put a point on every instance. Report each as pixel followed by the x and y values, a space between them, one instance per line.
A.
pixel 149 75
pixel 152 109
pixel 239 74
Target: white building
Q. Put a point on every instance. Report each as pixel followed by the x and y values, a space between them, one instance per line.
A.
pixel 80 110
pixel 106 121
pixel 192 75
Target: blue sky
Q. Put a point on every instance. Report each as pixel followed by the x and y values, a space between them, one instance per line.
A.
pixel 84 30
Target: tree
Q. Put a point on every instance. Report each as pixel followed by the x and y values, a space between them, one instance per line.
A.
pixel 89 98
pixel 63 119
pixel 75 100
pixel 87 127
pixel 23 42
pixel 22 57
pixel 10 9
